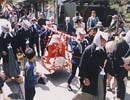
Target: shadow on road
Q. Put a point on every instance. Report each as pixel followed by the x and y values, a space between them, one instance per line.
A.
pixel 16 91
pixel 127 96
pixel 59 77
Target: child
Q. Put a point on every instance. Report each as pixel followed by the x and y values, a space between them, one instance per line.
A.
pixel 30 77
pixel 21 60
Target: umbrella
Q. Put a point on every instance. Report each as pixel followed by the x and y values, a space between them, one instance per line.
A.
pixel 14 70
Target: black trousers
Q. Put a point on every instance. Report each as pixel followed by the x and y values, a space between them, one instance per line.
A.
pixel 30 93
pixel 43 46
pixel 73 72
pixel 121 88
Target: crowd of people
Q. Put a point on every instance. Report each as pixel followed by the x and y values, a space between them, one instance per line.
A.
pixel 100 53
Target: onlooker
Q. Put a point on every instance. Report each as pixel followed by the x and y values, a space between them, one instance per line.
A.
pixel 76 17
pixel 52 20
pixel 92 20
pixel 25 17
pixel 91 34
pixel 13 18
pixel 69 27
pixel 99 26
pixel 114 23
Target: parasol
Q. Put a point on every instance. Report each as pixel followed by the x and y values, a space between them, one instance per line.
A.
pixel 14 70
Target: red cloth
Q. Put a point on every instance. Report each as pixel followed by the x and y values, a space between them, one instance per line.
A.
pixel 56 50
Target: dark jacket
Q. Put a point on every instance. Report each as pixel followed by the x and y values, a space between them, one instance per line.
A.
pixel 77 50
pixel 5 41
pixel 35 33
pixel 90 38
pixel 69 28
pixel 21 36
pixel 90 64
pixel 120 51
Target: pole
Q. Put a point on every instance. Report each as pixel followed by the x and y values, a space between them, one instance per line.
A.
pixel 43 5
pixel 35 8
pixel 56 11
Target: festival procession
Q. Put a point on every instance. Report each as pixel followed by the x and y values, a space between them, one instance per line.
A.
pixel 64 50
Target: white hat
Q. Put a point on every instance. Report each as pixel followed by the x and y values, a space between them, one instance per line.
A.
pixel 97 38
pixel 5 24
pixel 34 18
pixel 104 35
pixel 81 31
pixel 99 23
pixel 26 22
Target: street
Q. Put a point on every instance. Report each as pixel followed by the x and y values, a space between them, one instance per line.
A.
pixel 55 89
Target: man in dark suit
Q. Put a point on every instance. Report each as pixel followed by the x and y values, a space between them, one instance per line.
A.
pixel 24 34
pixel 69 27
pixel 35 34
pixel 90 67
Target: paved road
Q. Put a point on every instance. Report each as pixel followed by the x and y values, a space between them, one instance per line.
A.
pixel 55 89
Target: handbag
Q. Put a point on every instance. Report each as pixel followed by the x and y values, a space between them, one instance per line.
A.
pixel 41 80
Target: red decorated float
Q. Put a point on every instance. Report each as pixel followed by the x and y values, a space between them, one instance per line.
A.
pixel 56 55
